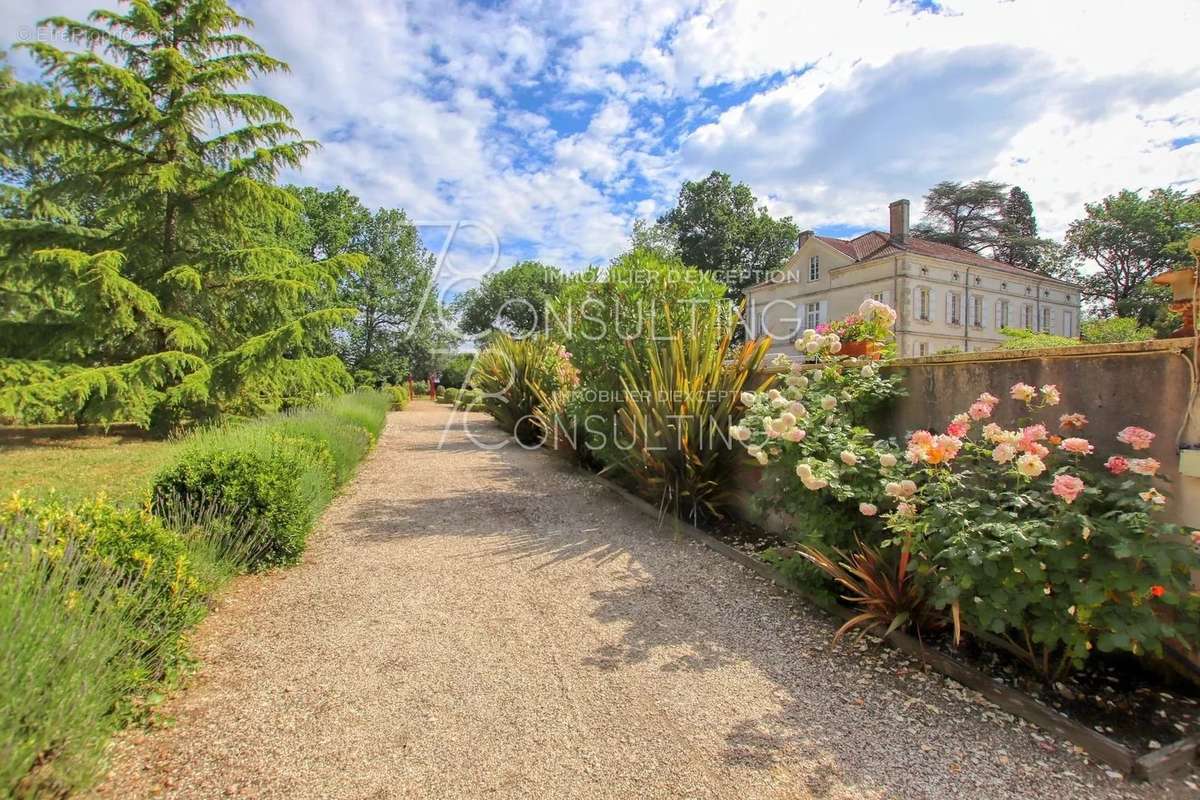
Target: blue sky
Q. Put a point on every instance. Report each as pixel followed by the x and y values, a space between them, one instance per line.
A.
pixel 554 125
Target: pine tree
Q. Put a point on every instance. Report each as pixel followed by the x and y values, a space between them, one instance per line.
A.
pixel 1018 242
pixel 146 254
pixel 968 215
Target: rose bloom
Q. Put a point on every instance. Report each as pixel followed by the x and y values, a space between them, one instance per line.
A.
pixel 797 409
pixel 907 488
pixel 1022 391
pixel 957 429
pixel 848 458
pixel 1034 432
pixel 1116 465
pixel 1143 466
pixel 1054 439
pixel 1030 465
pixel 1033 448
pixel 867 509
pixel 740 433
pixel 1078 446
pixel 829 402
pixel 987 399
pixel 979 411
pixel 748 398
pixel 1076 421
pixel 795 435
pixel 1050 395
pixel 1004 453
pixel 887 460
pixel 1067 487
pixel 761 458
pixel 906 510
pixel 1135 437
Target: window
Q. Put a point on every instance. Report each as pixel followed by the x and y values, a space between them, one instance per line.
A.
pixel 923 348
pixel 1002 312
pixel 923 303
pixel 1045 327
pixel 954 317
pixel 977 311
pixel 812 314
pixel 1027 319
pixel 814 268
pixel 877 297
pixel 1067 324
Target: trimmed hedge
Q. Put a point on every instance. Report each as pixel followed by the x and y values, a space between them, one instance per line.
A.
pixel 279 471
pixel 400 398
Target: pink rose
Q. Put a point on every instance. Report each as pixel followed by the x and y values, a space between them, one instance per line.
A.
pixel 979 411
pixel 987 399
pixel 1081 447
pixel 1050 395
pixel 1143 466
pixel 957 429
pixel 1067 487
pixel 795 435
pixel 1135 437
pixel 1034 433
pixel 1116 465
pixel 868 509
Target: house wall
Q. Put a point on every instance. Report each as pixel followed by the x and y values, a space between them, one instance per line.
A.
pixel 778 309
pixel 1032 302
pixel 1148 384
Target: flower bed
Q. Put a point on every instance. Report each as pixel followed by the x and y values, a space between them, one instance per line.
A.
pixel 1021 535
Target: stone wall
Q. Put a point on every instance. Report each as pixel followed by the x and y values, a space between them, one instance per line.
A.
pixel 1148 384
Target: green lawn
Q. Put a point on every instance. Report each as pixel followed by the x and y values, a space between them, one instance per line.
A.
pixel 59 458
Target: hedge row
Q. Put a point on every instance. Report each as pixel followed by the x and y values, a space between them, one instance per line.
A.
pixel 279 471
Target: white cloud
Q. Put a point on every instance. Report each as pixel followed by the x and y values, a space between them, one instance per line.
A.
pixel 557 122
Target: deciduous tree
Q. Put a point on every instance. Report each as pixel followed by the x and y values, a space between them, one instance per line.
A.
pixel 720 228
pixel 1130 239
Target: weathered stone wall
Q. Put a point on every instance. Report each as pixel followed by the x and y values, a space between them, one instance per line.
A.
pixel 1148 384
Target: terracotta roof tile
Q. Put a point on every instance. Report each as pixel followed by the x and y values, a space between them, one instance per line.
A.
pixel 875 244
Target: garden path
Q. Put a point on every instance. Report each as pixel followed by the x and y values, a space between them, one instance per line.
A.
pixel 490 623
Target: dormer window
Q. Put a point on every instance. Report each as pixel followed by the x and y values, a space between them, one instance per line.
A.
pixel 814 268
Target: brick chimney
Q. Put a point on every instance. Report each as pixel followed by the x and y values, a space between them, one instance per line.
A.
pixel 898 216
pixel 802 238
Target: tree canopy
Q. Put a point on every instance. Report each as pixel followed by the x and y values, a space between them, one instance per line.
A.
pixel 512 300
pixel 1130 239
pixel 719 227
pixel 140 259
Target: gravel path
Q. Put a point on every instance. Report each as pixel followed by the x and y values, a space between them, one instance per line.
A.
pixel 480 623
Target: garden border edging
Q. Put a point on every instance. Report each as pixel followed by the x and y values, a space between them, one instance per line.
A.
pixel 1154 765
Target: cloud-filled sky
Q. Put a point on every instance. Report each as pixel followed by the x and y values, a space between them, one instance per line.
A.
pixel 557 123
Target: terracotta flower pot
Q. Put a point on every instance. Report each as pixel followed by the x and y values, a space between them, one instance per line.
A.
pixel 860 350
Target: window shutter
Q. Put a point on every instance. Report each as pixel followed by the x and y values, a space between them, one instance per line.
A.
pixel 932 304
pixel 823 312
pixel 916 303
pixel 999 314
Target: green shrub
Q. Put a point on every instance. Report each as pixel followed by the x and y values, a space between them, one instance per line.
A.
pixel 454 374
pixel 62 666
pixel 1024 339
pixel 277 472
pixel 366 409
pixel 595 314
pixel 399 397
pixel 1114 329
pixel 281 481
pixel 163 591
pixel 680 395
pixel 511 373
pixel 420 388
